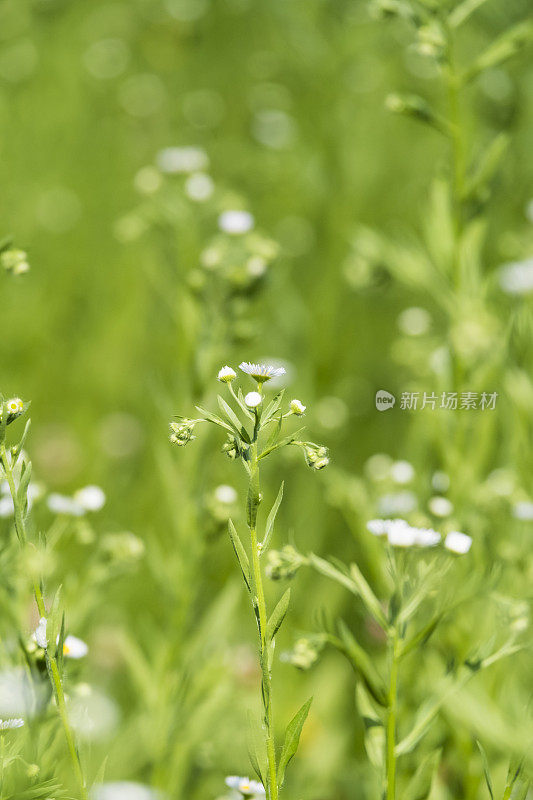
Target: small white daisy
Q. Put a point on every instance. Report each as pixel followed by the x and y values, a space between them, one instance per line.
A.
pixel 245 786
pixel 235 222
pixel 297 407
pixel 74 647
pixel 253 399
pixel 400 534
pixel 90 498
pixel 426 537
pixel 15 406
pixel 226 374
pixel 458 542
pixel 9 724
pixel 377 527
pixel 440 506
pixel 261 372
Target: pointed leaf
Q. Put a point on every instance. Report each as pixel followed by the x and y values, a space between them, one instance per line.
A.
pixel 278 615
pixel 240 552
pixel 215 420
pixel 486 769
pixel 362 664
pixel 419 787
pixel 292 738
pixel 234 419
pixel 374 729
pixel 269 529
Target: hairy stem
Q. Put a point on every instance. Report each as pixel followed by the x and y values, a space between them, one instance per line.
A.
pixel 253 503
pixel 53 669
pixel 391 720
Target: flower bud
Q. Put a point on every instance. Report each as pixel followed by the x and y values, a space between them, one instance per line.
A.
pixel 284 564
pixel 226 374
pixel 14 261
pixel 297 407
pixel 230 448
pixel 181 432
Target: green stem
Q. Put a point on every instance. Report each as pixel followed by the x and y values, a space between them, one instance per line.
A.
pixel 53 669
pixel 391 720
pixel 253 503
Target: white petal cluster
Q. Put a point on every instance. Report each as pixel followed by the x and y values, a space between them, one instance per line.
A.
pixel 261 372
pixel 89 498
pixel 245 786
pixel 400 534
pixel 9 724
pixel 457 542
pixel 235 222
pixel 297 407
pixel 226 374
pixel 72 646
pixel 517 277
pixel 253 399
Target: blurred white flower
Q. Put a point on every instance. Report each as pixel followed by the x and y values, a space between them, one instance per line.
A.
pixel 236 222
pixel 261 372
pixel 517 277
pixel 147 180
pixel 199 187
pixel 226 374
pixel 253 399
pixel 74 647
pixel 90 498
pixel 92 714
pixel 182 160
pixel 522 510
pixel 401 534
pixel 397 503
pixel 297 407
pixel 40 633
pixel 402 472
pixel 440 506
pixel 458 542
pixel 61 504
pixel 245 786
pixel 414 321
pixel 378 466
pixel 440 481
pixel 377 527
pixel 125 790
pixel 427 537
pixel 9 724
pixel 7 508
pixel 18 696
pixel 226 494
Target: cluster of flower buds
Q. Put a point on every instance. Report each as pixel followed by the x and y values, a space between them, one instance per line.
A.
pixel 284 564
pixel 230 448
pixel 316 455
pixel 181 432
pixel 14 261
pixel 305 653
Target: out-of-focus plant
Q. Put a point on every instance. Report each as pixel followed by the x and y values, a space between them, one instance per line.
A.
pixel 254 430
pixel 414 599
pixel 13 260
pixel 50 635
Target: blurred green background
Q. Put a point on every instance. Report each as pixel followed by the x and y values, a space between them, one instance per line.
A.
pixel 107 331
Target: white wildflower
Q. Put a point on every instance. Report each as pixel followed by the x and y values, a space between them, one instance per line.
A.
pixel 377 527
pixel 9 724
pixel 61 504
pixel 458 542
pixel 182 160
pixel 74 647
pixel 226 374
pixel 522 510
pixel 14 406
pixel 40 633
pixel 226 495
pixel 245 786
pixel 414 321
pixel 253 399
pixel 297 407
pixel 261 372
pixel 235 222
pixel 7 508
pixel 440 506
pixel 517 277
pixel 90 498
pixel 124 790
pixel 402 472
pixel 400 534
pixel 426 537
pixel 199 187
pixel 397 503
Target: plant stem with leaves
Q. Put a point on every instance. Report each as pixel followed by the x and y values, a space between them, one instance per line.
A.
pixel 8 461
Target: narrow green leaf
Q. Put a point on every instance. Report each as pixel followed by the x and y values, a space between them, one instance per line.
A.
pixel 502 48
pixel 461 12
pixel 256 750
pixel 215 420
pixel 367 595
pixel 240 552
pixel 362 664
pixel 419 787
pixel 100 775
pixel 25 477
pixel 487 165
pixel 269 529
pixel 292 738
pixel 234 420
pixel 273 407
pixel 278 615
pixel 374 729
pixel 486 769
